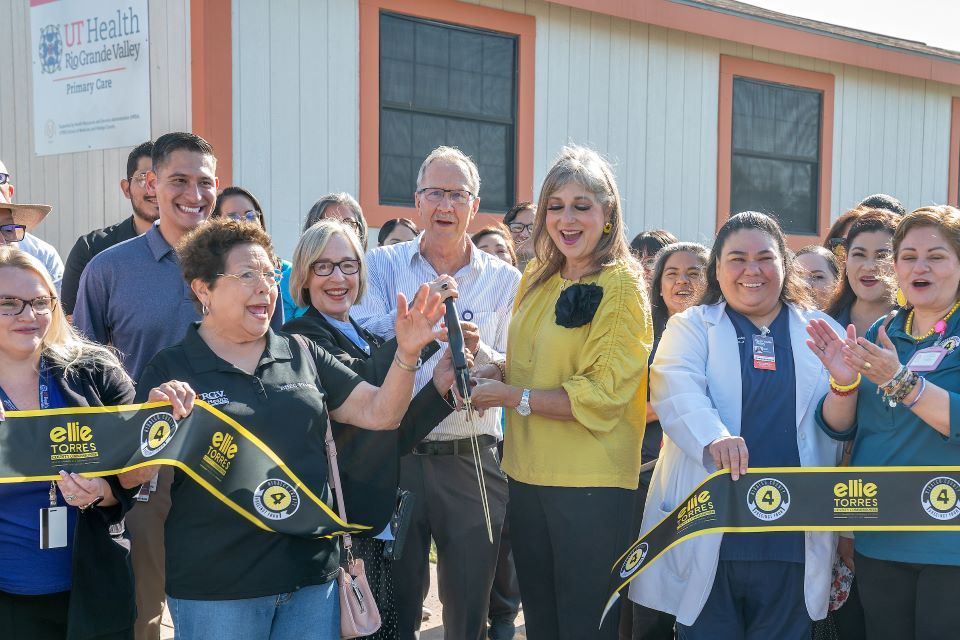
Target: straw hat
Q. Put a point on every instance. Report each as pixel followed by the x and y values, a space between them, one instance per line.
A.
pixel 29 215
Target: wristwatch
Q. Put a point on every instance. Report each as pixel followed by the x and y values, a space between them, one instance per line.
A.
pixel 524 407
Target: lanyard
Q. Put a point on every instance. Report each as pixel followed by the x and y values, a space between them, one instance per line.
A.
pixel 44 401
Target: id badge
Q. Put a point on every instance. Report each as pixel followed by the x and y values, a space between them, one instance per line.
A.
pixel 53 528
pixel 763 353
pixel 927 359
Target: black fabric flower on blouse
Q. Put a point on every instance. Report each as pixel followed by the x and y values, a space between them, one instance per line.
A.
pixel 577 305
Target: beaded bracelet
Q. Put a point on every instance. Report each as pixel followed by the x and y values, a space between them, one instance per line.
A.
pixel 923 387
pixel 845 389
pixel 904 387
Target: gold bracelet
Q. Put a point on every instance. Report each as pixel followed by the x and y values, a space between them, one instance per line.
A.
pixel 843 388
pixel 406 367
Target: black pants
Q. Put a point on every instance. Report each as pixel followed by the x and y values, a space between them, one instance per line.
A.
pixel 448 508
pixel 505 594
pixel 34 617
pixel 565 539
pixel 903 601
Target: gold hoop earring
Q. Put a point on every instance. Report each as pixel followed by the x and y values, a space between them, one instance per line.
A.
pixel 607 228
pixel 204 310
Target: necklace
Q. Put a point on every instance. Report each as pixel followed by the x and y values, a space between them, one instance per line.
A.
pixel 939 327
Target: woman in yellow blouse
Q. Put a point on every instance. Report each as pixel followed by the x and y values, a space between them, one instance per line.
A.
pixel 575 390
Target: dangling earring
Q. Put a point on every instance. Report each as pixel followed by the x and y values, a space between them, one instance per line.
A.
pixel 608 227
pixel 204 309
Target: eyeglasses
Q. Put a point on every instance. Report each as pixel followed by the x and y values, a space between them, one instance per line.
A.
pixel 350 222
pixel 519 227
pixel 4 178
pixel 11 306
pixel 12 232
pixel 252 278
pixel 457 196
pixel 838 246
pixel 139 178
pixel 249 216
pixel 347 267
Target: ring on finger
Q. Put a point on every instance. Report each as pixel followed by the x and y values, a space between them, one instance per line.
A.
pixel 69 498
pixel 866 366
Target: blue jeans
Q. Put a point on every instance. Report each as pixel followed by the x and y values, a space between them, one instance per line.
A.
pixel 311 612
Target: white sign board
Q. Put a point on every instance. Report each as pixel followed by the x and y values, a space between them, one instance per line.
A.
pixel 91 74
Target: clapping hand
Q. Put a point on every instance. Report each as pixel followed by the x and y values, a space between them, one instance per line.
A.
pixel 829 349
pixel 878 362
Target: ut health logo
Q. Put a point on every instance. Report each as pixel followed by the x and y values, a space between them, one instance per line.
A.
pixel 275 499
pixel 156 433
pixel 50 49
pixel 72 443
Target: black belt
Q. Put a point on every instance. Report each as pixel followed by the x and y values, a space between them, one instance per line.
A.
pixel 452 447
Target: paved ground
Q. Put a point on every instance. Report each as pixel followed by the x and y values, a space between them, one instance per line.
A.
pixel 432 629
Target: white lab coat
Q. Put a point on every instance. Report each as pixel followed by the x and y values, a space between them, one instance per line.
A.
pixel 696 390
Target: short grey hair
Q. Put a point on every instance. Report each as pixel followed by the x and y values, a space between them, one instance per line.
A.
pixel 453 156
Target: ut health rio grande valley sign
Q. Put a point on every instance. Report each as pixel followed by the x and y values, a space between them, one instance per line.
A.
pixel 91 74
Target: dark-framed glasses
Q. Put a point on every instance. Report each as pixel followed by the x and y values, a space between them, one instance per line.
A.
pixel 350 222
pixel 4 178
pixel 12 232
pixel 325 268
pixel 246 216
pixel 13 306
pixel 456 196
pixel 519 227
pixel 253 277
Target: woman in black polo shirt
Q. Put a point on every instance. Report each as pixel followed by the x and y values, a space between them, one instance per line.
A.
pixel 226 578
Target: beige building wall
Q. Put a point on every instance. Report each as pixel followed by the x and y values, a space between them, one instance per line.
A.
pixel 84 188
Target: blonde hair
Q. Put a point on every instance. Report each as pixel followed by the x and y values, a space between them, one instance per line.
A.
pixel 585 167
pixel 309 249
pixel 62 345
pixel 453 156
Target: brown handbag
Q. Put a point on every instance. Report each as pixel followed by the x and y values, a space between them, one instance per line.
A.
pixel 359 615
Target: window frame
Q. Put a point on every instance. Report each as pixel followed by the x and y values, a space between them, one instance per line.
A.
pixel 522 27
pixel 953 179
pixel 731 67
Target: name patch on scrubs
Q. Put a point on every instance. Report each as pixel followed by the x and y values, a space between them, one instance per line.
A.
pixel 764 356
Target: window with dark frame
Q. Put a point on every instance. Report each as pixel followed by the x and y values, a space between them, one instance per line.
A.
pixel 776 152
pixel 445 84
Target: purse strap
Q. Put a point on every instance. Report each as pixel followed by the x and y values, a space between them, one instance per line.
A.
pixel 331 447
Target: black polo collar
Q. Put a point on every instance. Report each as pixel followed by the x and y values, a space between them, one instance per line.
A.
pixel 202 359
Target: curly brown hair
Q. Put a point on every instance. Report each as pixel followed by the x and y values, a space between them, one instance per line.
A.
pixel 203 251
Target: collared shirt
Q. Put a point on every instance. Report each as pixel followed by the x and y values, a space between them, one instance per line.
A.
pixel 45 253
pixel 897 437
pixel 211 552
pixel 86 247
pixel 133 296
pixel 487 286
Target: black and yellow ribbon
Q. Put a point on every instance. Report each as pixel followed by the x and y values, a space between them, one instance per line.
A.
pixel 216 451
pixel 800 499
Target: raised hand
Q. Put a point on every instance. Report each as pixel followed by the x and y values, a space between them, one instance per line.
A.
pixel 828 347
pixel 415 323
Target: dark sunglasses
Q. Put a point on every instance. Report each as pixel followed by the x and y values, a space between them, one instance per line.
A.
pixel 4 178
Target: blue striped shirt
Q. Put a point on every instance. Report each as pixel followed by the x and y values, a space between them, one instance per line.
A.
pixel 487 287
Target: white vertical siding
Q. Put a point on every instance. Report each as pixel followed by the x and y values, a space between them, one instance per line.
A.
pixel 296 106
pixel 645 96
pixel 84 187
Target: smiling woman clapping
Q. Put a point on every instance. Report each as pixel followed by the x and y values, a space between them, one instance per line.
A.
pixel 896 390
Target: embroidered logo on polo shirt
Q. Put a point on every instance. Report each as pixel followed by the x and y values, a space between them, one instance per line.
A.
pixel 215 398
pixel 276 499
pixel 298 385
pixel 156 433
